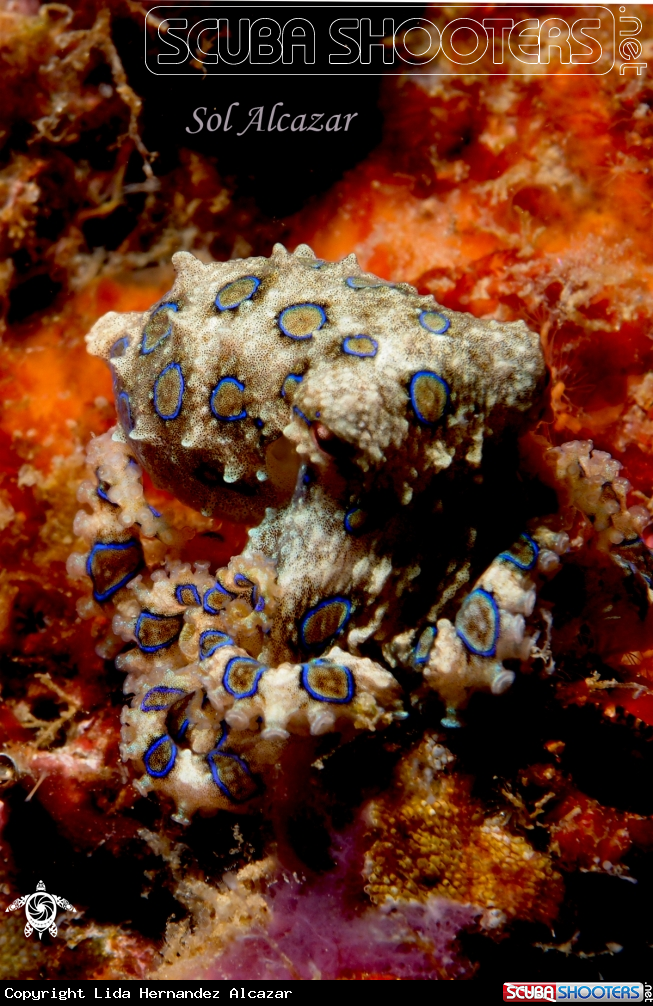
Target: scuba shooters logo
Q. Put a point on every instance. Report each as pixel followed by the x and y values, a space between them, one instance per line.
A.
pixel 552 992
pixel 230 39
pixel 40 910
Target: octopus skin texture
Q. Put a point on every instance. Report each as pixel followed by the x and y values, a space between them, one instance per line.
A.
pixel 346 419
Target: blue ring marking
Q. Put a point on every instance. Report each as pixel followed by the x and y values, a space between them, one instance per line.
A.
pixel 162 773
pixel 509 557
pixel 301 415
pixel 211 640
pixel 257 599
pixel 342 621
pixel 145 350
pixel 242 581
pixel 349 344
pixel 155 512
pixel 442 327
pixel 175 412
pixel 258 423
pixel 352 528
pixel 119 348
pixel 177 722
pixel 149 616
pixel 218 579
pixel 193 592
pixel 159 694
pixel 349 679
pixel 422 649
pixel 491 649
pixel 218 589
pixel 124 410
pixel 103 496
pixel 119 546
pixel 226 678
pixel 441 381
pixel 309 335
pixel 363 283
pixel 631 542
pixel 294 378
pixel 220 384
pixel 101 492
pixel 213 756
pixel 231 307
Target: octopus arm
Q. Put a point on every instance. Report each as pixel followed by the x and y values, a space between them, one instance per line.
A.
pixel 500 619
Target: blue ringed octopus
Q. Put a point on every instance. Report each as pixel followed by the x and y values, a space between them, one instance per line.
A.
pixel 353 424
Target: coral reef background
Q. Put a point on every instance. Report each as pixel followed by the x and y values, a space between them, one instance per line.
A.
pixel 522 841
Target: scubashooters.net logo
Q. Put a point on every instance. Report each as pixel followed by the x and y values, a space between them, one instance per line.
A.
pixel 230 40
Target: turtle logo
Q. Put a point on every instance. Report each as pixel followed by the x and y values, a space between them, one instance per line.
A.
pixel 40 910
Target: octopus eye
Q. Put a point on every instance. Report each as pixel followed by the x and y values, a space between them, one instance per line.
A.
pixel 328 442
pixel 209 476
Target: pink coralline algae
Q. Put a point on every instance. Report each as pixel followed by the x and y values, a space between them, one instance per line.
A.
pixel 309 937
pixel 325 929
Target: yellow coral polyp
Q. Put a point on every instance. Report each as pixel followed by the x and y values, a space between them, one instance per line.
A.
pixel 431 836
